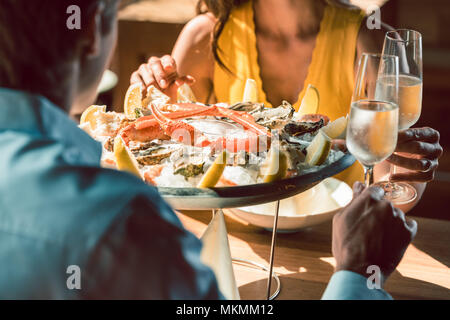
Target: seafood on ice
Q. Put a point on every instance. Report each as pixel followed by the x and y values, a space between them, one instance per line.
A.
pixel 174 144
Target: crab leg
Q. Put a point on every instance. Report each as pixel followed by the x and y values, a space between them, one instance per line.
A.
pixel 244 121
pixel 148 128
pixel 150 120
pixel 243 118
pixel 193 110
pixel 163 126
pixel 171 127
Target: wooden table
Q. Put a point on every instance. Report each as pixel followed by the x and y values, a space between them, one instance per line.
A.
pixel 304 262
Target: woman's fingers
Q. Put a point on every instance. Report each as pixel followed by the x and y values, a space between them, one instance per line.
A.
pixel 169 64
pixel 419 134
pixel 147 75
pixel 413 163
pixel 415 176
pixel 161 73
pixel 421 150
pixel 142 75
pixel 136 78
pixel 158 72
pixel 429 150
pixel 189 80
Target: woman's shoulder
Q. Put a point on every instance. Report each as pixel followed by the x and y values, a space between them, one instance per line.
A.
pixel 194 41
pixel 198 29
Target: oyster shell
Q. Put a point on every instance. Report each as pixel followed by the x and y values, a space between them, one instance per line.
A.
pixel 272 118
pixel 248 107
pixel 190 168
pixel 296 153
pixel 154 152
pixel 153 156
pixel 295 129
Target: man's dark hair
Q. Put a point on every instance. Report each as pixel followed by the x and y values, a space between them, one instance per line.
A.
pixel 35 42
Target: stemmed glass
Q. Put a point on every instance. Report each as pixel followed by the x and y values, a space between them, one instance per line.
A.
pixel 407 46
pixel 373 122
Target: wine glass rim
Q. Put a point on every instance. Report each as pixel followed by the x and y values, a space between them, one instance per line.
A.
pixel 417 35
pixel 368 101
pixel 379 55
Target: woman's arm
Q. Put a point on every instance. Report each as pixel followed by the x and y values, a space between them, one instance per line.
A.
pixel 194 57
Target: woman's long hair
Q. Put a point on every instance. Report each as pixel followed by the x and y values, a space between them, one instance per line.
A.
pixel 221 9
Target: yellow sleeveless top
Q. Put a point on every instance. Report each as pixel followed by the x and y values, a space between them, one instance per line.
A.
pixel 331 70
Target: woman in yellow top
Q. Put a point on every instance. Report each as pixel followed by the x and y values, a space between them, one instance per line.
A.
pixel 283 45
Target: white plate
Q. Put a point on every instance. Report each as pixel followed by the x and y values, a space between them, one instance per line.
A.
pixel 314 206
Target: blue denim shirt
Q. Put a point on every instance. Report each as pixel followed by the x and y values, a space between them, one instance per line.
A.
pixel 347 285
pixel 59 208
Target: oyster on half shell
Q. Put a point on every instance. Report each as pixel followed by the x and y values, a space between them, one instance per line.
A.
pixel 272 118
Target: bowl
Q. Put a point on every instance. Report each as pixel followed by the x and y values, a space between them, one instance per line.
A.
pixel 312 207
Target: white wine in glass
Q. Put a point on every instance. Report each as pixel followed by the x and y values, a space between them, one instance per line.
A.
pixel 409 97
pixel 372 131
pixel 372 128
pixel 407 46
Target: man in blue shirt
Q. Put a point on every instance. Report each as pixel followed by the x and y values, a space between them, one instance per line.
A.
pixel 59 208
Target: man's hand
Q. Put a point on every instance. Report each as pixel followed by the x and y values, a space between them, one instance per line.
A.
pixel 420 151
pixel 370 231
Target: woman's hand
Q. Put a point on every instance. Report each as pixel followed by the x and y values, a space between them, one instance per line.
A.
pixel 420 151
pixel 161 73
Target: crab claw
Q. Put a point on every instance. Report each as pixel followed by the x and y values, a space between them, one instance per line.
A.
pixel 177 130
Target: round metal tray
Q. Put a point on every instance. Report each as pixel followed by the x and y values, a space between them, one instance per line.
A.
pixel 248 195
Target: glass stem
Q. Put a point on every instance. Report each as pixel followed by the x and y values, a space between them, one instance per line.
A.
pixel 368 175
pixel 391 173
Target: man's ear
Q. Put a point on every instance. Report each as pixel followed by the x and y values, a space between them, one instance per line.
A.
pixel 93 32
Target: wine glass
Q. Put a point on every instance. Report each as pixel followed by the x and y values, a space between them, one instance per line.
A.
pixel 407 46
pixel 373 122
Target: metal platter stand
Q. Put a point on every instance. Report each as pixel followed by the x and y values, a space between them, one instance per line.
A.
pixel 248 195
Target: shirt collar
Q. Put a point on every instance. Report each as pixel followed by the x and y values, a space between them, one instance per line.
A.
pixel 36 115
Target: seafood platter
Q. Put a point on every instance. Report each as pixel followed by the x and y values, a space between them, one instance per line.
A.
pixel 217 156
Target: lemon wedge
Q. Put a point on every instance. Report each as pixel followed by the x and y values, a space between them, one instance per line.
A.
pixel 317 152
pixel 213 174
pixel 185 94
pixel 336 129
pixel 310 101
pixel 90 115
pixel 133 100
pixel 250 92
pixel 124 158
pixel 276 165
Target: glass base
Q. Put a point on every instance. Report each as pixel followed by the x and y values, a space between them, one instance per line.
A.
pixel 398 193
